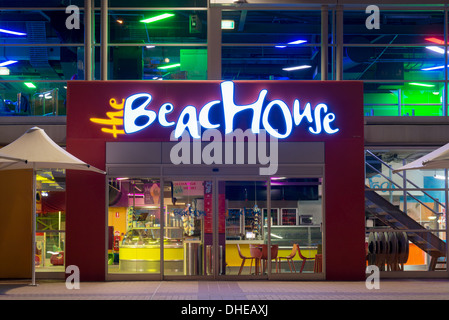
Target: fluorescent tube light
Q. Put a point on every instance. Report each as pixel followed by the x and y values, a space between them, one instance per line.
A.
pixel 436 49
pixel 30 85
pixel 298 42
pixel 170 66
pixel 297 68
pixel 435 40
pixel 13 32
pixel 157 18
pixel 433 68
pixel 7 63
pixel 422 84
pixel 280 46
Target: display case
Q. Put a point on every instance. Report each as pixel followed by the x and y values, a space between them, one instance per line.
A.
pixel 305 236
pixel 289 217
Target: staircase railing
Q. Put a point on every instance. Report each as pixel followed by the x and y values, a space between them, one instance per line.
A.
pixel 406 181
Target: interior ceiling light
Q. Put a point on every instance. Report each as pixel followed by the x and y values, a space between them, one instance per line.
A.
pixel 297 68
pixel 13 32
pixel 7 63
pixel 119 21
pixel 227 24
pixel 422 84
pixel 298 42
pixel 436 49
pixel 170 66
pixel 280 46
pixel 30 85
pixel 435 40
pixel 4 71
pixel 157 18
pixel 433 68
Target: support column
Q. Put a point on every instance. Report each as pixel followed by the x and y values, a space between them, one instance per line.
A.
pixel 104 40
pixel 87 40
pixel 339 45
pixel 214 43
pixel 324 41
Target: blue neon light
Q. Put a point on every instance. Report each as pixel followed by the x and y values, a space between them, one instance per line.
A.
pixel 137 118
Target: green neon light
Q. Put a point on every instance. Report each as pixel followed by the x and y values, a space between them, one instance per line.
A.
pixel 30 85
pixel 157 18
pixel 170 66
pixel 422 84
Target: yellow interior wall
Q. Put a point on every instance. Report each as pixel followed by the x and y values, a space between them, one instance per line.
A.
pixel 119 223
pixel 16 190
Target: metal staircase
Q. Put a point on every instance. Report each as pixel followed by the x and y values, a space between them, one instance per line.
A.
pixel 391 216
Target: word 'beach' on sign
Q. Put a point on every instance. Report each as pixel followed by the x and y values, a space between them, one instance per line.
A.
pixel 137 117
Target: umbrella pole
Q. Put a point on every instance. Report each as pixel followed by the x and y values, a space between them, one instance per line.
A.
pixel 33 235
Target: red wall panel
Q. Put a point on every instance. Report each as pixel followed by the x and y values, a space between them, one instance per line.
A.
pixel 344 160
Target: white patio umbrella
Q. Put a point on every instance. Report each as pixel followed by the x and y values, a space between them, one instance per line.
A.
pixel 438 159
pixel 38 151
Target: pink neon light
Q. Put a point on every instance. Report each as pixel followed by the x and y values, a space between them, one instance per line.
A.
pixel 435 40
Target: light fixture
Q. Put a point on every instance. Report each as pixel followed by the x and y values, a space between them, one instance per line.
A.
pixel 280 46
pixel 150 47
pixel 119 21
pixel 157 18
pixel 435 40
pixel 30 85
pixel 422 84
pixel 16 33
pixel 7 63
pixel 227 24
pixel 433 68
pixel 170 66
pixel 438 176
pixel 4 71
pixel 436 49
pixel 298 42
pixel 296 68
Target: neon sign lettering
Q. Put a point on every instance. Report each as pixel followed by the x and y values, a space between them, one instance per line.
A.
pixel 137 117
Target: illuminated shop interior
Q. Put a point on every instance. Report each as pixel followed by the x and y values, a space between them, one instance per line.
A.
pixel 403 67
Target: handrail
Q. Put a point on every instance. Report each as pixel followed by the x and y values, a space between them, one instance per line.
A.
pixel 391 181
pixel 400 175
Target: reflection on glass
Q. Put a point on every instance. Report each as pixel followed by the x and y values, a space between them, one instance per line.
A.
pixel 33 99
pixel 184 227
pixel 134 225
pixel 298 235
pixel 50 220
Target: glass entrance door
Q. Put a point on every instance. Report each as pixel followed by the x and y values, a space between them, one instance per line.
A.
pixel 187 227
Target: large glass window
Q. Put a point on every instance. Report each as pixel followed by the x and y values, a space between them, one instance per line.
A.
pixel 293 228
pixel 134 222
pixel 271 45
pixel 406 213
pixel 403 71
pixel 50 221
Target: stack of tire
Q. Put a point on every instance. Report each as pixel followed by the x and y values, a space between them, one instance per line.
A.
pixel 388 251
